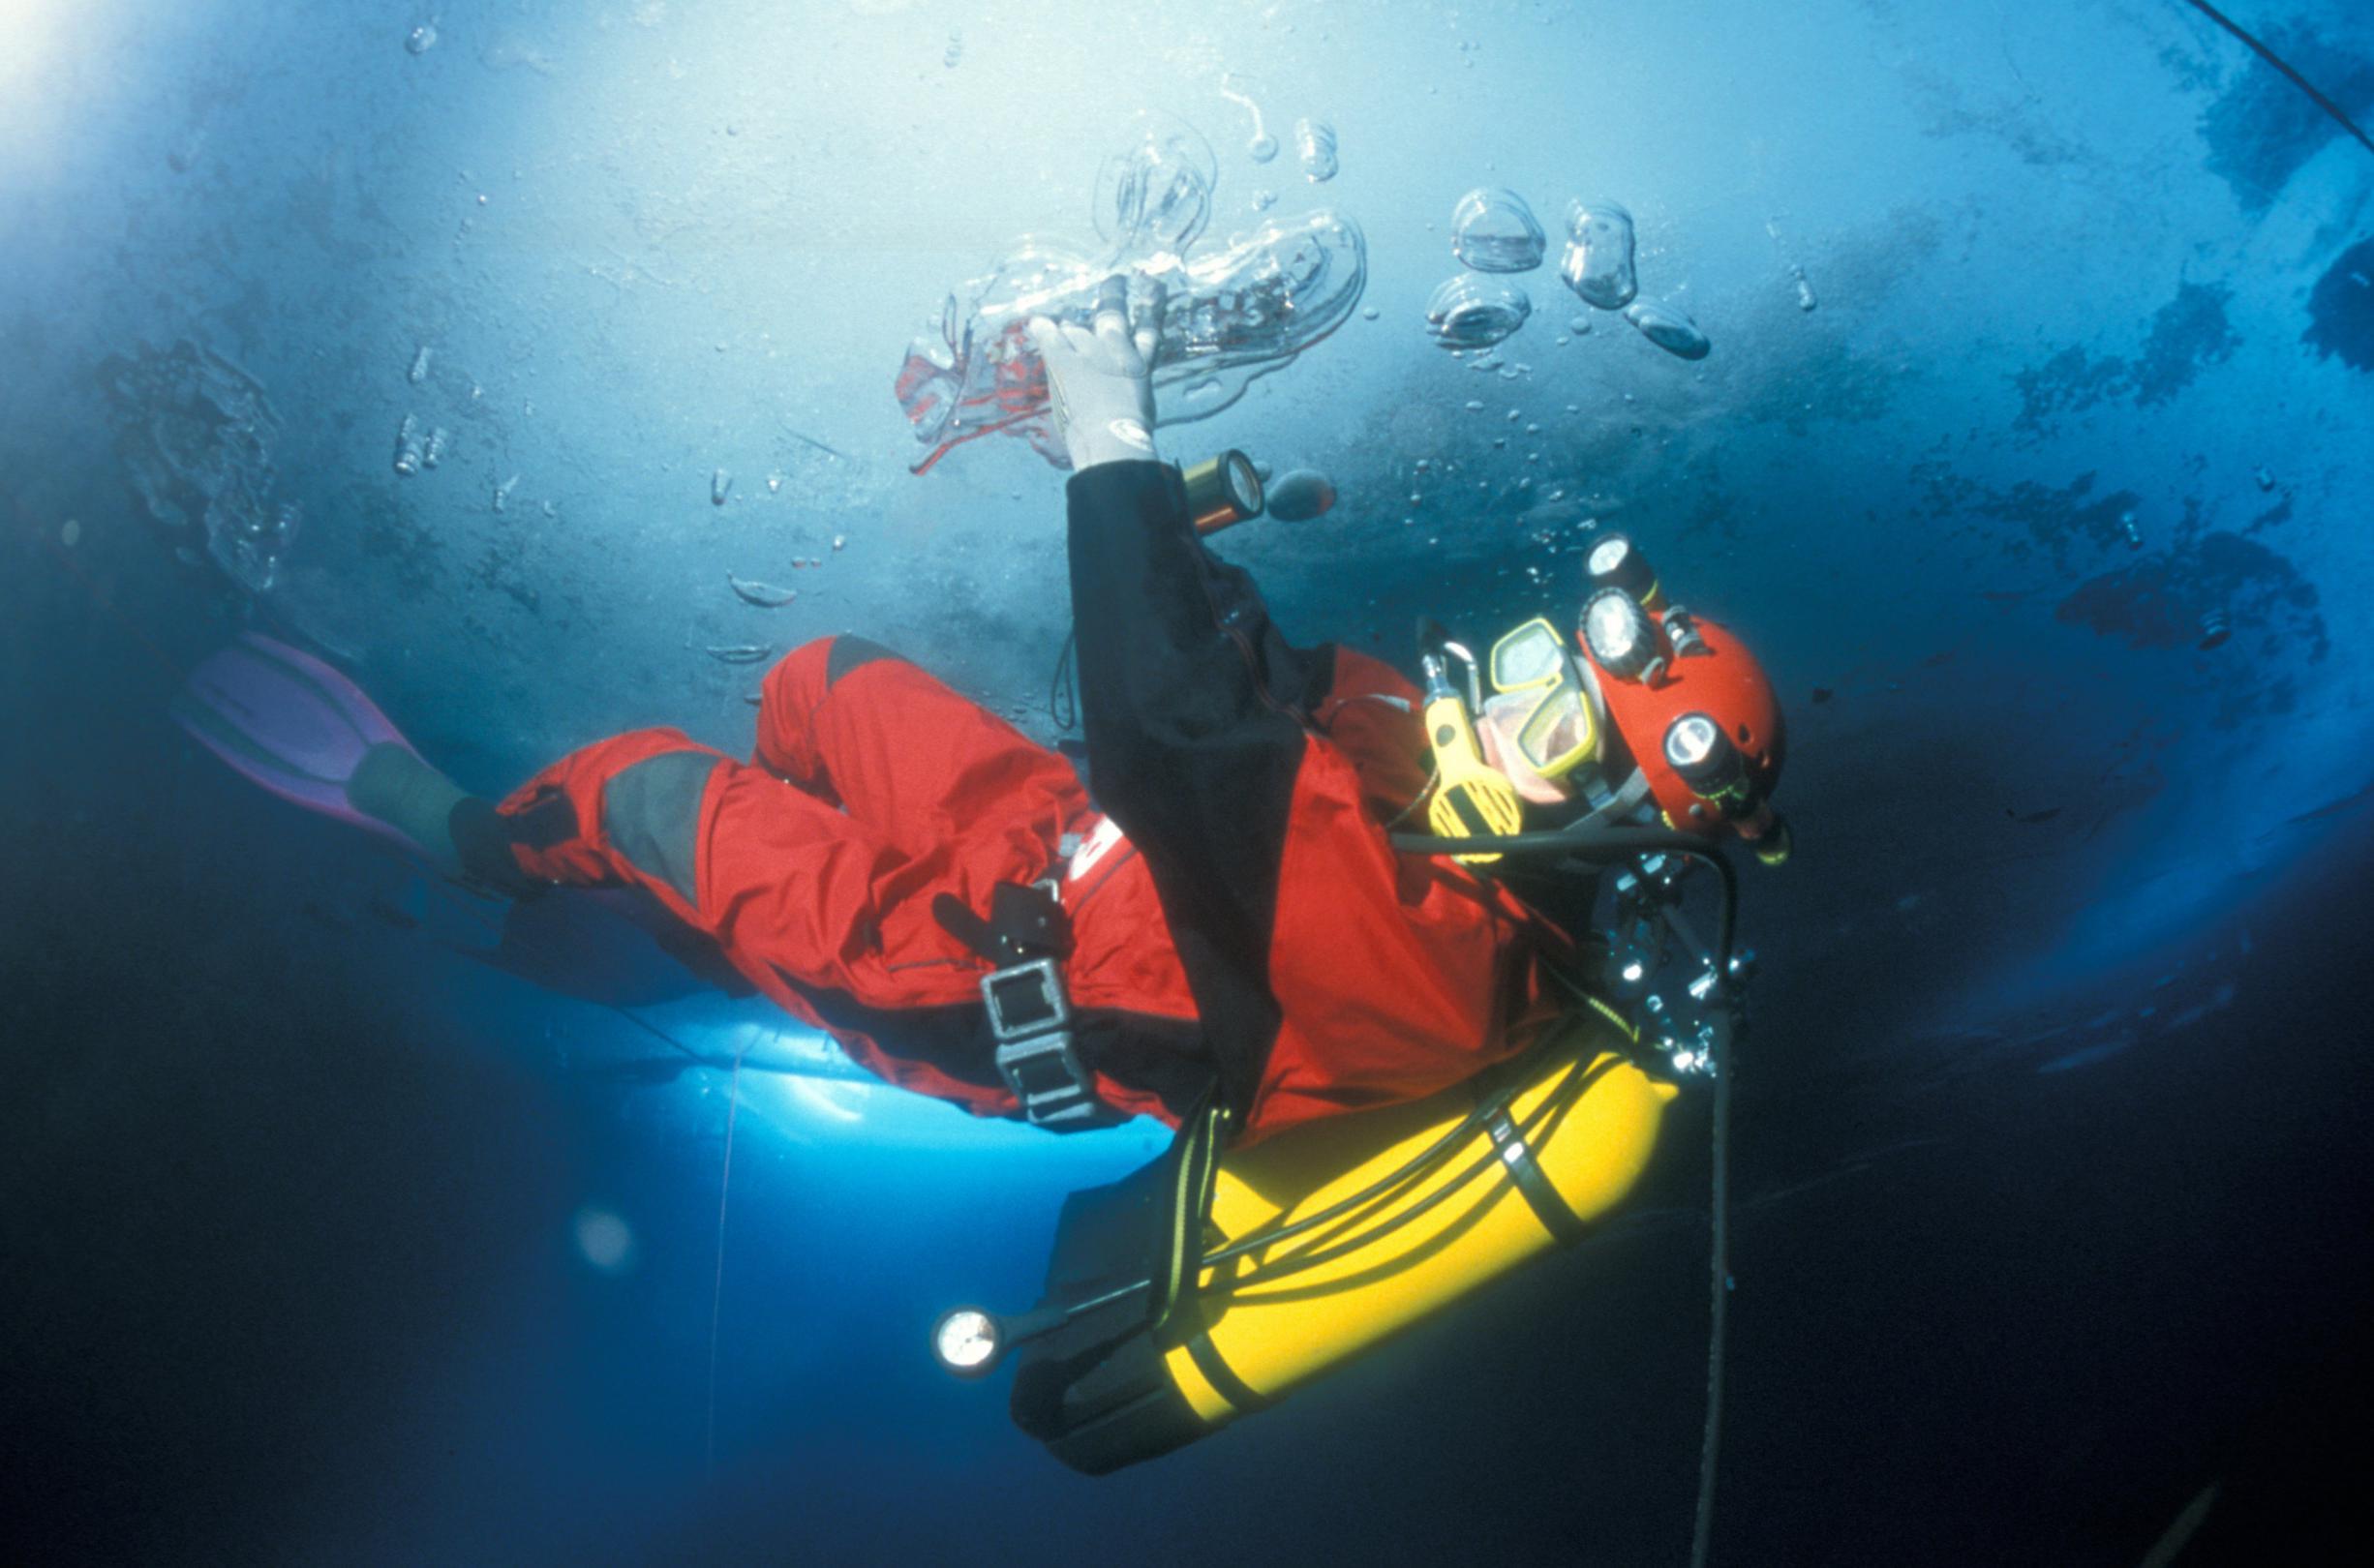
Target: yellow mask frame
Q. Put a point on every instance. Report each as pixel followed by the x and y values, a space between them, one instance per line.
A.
pixel 1560 730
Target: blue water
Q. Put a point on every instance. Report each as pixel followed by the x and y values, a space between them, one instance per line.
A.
pixel 2029 455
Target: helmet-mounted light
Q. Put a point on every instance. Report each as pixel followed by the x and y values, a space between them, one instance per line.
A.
pixel 1697 749
pixel 1621 638
pixel 1615 561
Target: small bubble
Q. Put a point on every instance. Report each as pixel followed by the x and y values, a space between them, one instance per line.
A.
pixel 1475 406
pixel 1261 148
pixel 1370 313
pixel 604 1239
pixel 1315 149
pixel 421 39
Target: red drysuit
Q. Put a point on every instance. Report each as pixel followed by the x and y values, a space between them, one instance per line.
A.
pixel 1235 906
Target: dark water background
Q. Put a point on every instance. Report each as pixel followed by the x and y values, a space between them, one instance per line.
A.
pixel 2050 1160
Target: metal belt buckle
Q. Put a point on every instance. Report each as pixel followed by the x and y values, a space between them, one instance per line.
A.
pixel 1032 1020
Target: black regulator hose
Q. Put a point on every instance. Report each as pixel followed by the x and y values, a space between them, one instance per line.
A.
pixel 1603 844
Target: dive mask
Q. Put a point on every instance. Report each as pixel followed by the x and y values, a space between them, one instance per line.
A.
pixel 1540 688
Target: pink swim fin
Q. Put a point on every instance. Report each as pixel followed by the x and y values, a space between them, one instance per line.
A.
pixel 289 722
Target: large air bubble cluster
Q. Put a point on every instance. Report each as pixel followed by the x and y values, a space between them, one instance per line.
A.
pixel 1225 314
pixel 196 433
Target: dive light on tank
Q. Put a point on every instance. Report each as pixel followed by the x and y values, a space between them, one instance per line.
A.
pixel 1615 561
pixel 1621 638
pixel 967 1342
pixel 1716 773
pixel 1697 749
pixel 970 1342
pixel 1223 492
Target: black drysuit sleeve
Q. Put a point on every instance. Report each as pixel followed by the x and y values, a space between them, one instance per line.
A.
pixel 1194 711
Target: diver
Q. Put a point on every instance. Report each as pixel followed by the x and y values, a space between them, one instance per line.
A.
pixel 1224 922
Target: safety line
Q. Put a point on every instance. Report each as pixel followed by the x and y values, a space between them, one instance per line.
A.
pixel 2279 63
pixel 1718 1297
pixel 716 1292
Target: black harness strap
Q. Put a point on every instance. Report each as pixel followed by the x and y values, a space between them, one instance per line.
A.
pixel 1532 1184
pixel 1222 1376
pixel 1195 1171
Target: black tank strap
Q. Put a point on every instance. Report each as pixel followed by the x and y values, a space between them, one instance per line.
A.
pixel 1532 1184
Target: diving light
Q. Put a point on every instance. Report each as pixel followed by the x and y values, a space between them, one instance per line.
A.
pixel 1615 561
pixel 1223 492
pixel 1621 638
pixel 967 1342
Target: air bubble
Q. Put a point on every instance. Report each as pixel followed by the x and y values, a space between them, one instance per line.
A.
pixel 1475 312
pixel 1315 148
pixel 1493 230
pixel 1597 264
pixel 1665 326
pixel 1301 496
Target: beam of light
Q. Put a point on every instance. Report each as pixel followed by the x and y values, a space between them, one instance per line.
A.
pixel 828 1100
pixel 28 43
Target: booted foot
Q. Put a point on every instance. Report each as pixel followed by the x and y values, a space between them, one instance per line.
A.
pixel 397 788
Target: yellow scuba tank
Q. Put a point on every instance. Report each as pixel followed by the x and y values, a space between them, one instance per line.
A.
pixel 1329 1238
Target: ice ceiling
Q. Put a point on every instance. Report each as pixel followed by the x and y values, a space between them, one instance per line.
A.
pixel 565 335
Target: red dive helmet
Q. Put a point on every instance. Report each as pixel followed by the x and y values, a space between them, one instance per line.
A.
pixel 1691 702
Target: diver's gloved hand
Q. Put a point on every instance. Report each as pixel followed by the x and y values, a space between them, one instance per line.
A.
pixel 1100 378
